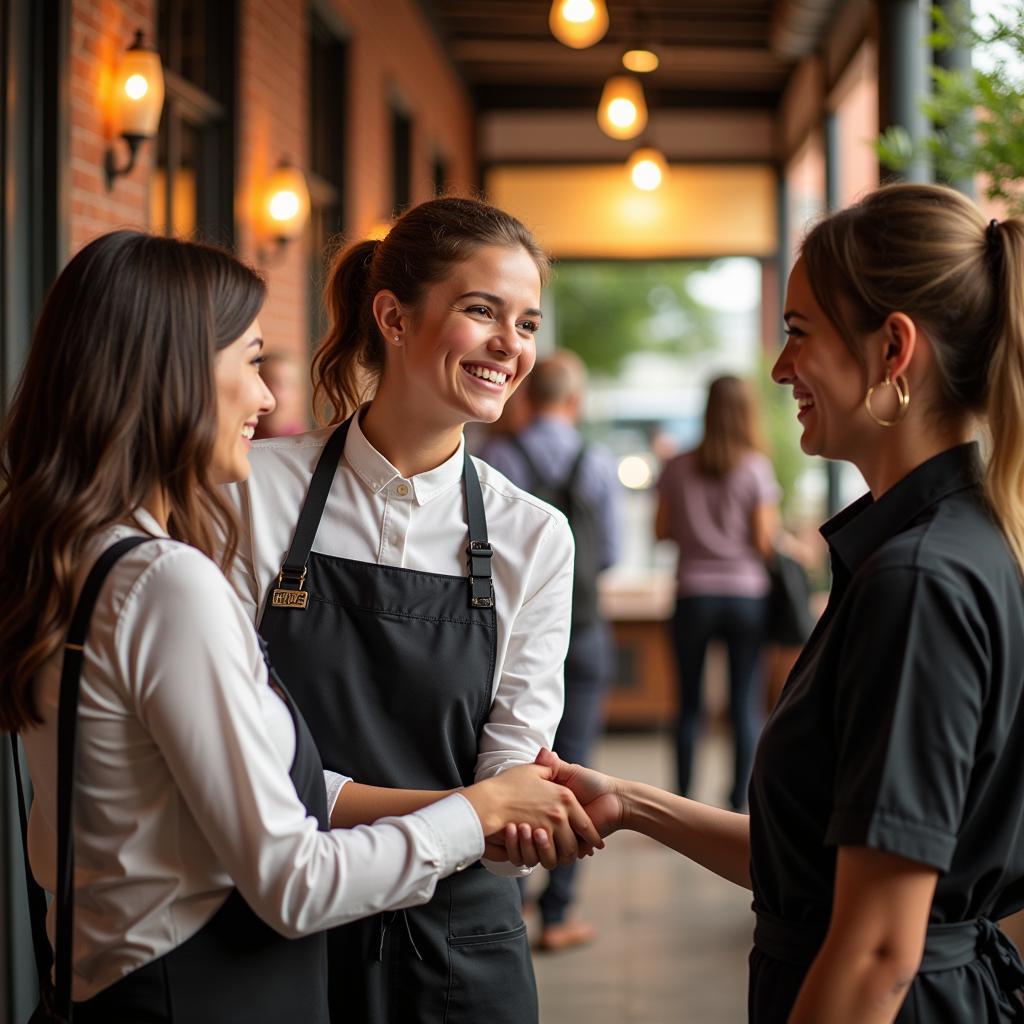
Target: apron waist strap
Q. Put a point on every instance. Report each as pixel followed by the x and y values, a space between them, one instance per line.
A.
pixel 946 946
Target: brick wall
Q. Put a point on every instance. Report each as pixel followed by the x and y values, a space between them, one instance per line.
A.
pixel 393 52
pixel 100 31
pixel 273 116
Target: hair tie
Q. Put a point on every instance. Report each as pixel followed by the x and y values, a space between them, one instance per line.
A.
pixel 991 231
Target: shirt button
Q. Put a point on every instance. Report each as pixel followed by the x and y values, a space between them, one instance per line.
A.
pixel 402 490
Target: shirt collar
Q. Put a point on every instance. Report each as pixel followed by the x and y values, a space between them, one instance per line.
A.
pixel 146 521
pixel 376 472
pixel 865 525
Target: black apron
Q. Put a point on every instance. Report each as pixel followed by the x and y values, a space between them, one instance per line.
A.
pixel 236 969
pixel 393 669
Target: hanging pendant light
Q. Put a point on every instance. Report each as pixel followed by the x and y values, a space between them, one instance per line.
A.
pixel 647 168
pixel 641 61
pixel 578 23
pixel 622 113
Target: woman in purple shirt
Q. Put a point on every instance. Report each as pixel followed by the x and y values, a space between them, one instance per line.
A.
pixel 719 503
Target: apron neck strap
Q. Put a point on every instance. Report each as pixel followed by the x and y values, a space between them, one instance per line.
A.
pixel 478 554
pixel 293 572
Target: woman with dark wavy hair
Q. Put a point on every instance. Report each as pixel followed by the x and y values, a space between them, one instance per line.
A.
pixel 205 867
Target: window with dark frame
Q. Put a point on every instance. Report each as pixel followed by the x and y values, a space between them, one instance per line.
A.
pixel 401 160
pixel 328 103
pixel 192 193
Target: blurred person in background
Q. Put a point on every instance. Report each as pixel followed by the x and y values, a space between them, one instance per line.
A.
pixel 549 458
pixel 284 376
pixel 720 504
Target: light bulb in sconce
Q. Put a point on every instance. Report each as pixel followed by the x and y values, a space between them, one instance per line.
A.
pixel 285 208
pixel 647 168
pixel 287 202
pixel 138 99
pixel 578 23
pixel 622 113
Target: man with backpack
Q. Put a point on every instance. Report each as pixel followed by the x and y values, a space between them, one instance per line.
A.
pixel 550 459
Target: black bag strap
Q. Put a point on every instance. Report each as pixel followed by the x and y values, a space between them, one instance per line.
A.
pixel 36 896
pixel 293 572
pixel 538 478
pixel 67 727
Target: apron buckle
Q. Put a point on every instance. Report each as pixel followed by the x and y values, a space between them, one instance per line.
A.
pixel 481 589
pixel 290 597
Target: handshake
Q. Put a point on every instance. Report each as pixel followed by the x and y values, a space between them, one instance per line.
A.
pixel 547 813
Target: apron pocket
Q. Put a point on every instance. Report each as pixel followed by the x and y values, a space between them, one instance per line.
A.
pixel 491 979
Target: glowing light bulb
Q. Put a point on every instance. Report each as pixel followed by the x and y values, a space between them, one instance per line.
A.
pixel 286 202
pixel 284 205
pixel 647 169
pixel 640 61
pixel 136 87
pixel 578 23
pixel 622 113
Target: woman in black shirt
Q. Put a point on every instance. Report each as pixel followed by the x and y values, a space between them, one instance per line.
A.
pixel 886 828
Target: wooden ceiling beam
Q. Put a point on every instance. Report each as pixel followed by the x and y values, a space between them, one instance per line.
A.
pixel 604 58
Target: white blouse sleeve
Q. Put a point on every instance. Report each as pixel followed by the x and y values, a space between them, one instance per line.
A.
pixel 190 662
pixel 530 695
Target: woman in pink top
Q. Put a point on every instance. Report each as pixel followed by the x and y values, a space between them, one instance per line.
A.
pixel 719 503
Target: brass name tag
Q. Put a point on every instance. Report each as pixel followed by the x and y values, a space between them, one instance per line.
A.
pixel 289 599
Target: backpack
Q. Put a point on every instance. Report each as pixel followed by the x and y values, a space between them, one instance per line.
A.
pixel 565 495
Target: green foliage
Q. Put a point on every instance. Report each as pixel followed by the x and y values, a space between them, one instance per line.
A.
pixel 977 116
pixel 606 311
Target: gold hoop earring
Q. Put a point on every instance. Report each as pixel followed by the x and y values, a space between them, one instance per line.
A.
pixel 902 386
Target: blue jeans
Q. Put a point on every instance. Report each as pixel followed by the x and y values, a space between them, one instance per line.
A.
pixel 740 623
pixel 586 681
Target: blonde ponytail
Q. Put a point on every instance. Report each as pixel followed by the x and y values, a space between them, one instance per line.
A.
pixel 1004 477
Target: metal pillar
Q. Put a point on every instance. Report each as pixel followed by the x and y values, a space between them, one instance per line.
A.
pixel 903 58
pixel 958 58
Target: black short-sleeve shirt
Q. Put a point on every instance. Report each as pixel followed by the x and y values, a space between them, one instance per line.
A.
pixel 901 727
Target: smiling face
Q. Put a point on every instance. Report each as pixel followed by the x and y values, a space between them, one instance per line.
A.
pixel 828 383
pixel 469 343
pixel 242 397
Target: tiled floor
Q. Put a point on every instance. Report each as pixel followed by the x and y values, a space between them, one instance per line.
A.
pixel 673 938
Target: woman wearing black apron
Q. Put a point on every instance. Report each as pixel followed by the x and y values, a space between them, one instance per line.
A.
pixel 204 868
pixel 887 801
pixel 415 602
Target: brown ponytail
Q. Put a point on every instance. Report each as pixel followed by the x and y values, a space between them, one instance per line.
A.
pixel 420 249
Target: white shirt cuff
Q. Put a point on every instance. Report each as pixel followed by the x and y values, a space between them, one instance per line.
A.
pixel 456 828
pixel 333 783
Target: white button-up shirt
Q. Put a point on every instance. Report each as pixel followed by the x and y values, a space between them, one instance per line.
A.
pixel 374 514
pixel 182 781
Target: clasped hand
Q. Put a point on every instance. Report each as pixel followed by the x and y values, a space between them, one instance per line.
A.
pixel 581 806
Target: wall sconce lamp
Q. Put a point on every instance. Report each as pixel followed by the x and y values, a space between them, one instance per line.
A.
pixel 138 102
pixel 578 23
pixel 622 113
pixel 285 209
pixel 647 168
